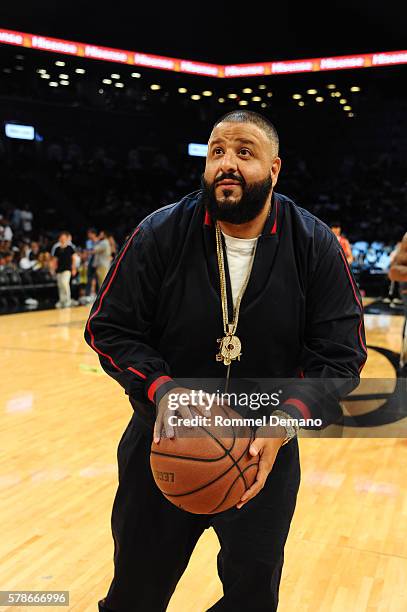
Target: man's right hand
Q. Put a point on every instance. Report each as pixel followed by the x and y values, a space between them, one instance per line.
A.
pixel 162 426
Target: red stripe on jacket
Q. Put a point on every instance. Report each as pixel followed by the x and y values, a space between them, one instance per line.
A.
pixel 274 228
pixel 156 385
pixel 303 408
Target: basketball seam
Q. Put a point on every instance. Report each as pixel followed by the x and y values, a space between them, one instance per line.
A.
pixel 234 464
pixel 228 491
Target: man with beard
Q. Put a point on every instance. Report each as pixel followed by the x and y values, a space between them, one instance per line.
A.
pixel 231 265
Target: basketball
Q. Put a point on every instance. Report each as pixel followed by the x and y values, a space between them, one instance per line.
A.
pixel 205 469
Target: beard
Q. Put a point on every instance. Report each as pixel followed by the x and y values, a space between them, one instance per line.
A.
pixel 227 208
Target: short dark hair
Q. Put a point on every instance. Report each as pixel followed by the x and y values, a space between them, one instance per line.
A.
pixel 246 116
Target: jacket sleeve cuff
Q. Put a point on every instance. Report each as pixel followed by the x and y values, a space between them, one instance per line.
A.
pixel 296 408
pixel 157 385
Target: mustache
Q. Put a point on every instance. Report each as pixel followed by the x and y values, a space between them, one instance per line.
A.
pixel 231 177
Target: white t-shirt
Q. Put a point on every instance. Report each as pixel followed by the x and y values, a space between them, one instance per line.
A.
pixel 239 253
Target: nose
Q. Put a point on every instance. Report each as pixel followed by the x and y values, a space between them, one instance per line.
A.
pixel 229 163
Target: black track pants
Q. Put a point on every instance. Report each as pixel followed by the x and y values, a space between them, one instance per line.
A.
pixel 154 539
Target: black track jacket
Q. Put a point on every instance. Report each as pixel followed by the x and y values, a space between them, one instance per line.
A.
pixel 158 314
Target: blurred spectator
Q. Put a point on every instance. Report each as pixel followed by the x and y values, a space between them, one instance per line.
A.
pixel 26 263
pixel 113 246
pixel 34 251
pixel 82 277
pixel 58 244
pixel 16 218
pixel 26 217
pixel 398 272
pixel 91 240
pixel 64 255
pixel 47 263
pixel 103 256
pixel 344 242
pixel 6 233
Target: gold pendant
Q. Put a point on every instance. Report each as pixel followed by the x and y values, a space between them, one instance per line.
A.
pixel 229 349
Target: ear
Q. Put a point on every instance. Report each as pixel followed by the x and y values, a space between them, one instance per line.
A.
pixel 275 170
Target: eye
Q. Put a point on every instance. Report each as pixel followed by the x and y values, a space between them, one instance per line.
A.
pixel 245 152
pixel 217 150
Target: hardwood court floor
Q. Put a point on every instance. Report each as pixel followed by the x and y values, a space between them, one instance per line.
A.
pixel 61 422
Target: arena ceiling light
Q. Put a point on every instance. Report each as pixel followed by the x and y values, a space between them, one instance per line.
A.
pixel 331 86
pixel 19 68
pixel 59 63
pixel 195 97
pixel 243 103
pixel 301 103
pixel 119 85
pixel 80 70
pixel 232 96
pixel 312 92
pixel 45 76
pixel 247 90
pixel 351 115
pixel 256 99
pixel 115 75
pixel 107 81
pixel 155 87
pixel 64 82
pixel 262 86
pixel 263 105
pixel 319 99
pixel 355 88
pixel 269 94
pixel 221 100
pixel 207 93
pixel 347 108
pixel 182 90
pixel 63 76
pixel 53 84
pixel 19 57
pixel 297 96
pixel 41 71
pixel 135 75
pixel 342 101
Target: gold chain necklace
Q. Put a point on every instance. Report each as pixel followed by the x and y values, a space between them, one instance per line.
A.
pixel 230 345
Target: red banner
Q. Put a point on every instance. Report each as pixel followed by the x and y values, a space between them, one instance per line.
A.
pixel 120 56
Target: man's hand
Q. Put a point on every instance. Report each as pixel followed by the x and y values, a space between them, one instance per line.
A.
pixel 184 411
pixel 267 448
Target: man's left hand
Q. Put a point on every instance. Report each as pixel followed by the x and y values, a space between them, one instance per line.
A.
pixel 267 448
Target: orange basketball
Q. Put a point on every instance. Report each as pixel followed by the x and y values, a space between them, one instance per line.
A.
pixel 205 469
